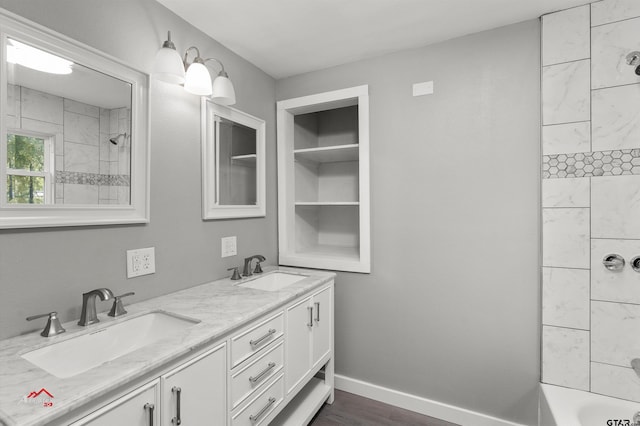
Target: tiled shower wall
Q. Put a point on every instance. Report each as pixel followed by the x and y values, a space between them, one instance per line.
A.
pixel 88 168
pixel 591 197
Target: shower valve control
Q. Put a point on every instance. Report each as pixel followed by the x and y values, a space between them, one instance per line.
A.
pixel 635 263
pixel 613 262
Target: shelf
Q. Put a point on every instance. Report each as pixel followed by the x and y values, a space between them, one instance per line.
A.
pixel 328 251
pixel 329 154
pixel 327 203
pixel 245 160
pixel 304 405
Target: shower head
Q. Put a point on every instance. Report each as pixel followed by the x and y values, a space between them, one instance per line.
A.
pixel 114 140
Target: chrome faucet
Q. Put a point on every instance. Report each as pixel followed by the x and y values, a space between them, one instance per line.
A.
pixel 246 272
pixel 89 315
pixel 635 364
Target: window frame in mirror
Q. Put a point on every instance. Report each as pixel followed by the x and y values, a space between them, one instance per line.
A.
pixel 53 215
pixel 211 209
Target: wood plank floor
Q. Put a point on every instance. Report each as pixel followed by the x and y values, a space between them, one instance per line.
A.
pixel 353 410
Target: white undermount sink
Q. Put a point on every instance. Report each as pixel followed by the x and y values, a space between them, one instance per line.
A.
pixel 79 354
pixel 273 281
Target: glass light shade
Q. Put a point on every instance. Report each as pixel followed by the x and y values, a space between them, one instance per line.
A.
pixel 223 91
pixel 36 59
pixel 198 80
pixel 168 66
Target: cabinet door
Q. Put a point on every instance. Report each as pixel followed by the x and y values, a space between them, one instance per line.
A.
pixel 298 342
pixel 198 388
pixel 138 408
pixel 322 324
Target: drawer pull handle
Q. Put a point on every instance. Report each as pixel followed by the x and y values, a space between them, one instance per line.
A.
pixel 150 407
pixel 260 340
pixel 176 420
pixel 254 417
pixel 310 308
pixel 317 311
pixel 263 373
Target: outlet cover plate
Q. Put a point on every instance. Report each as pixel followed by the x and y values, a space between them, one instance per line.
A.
pixel 141 262
pixel 229 246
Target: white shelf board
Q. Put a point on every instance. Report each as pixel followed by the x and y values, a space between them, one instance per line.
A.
pixel 248 159
pixel 329 154
pixel 329 252
pixel 304 405
pixel 327 203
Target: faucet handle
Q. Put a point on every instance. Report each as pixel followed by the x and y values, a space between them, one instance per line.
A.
pixel 53 326
pixel 236 275
pixel 117 308
pixel 258 268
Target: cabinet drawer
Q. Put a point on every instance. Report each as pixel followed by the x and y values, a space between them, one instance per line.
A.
pixel 257 373
pixel 250 341
pixel 260 408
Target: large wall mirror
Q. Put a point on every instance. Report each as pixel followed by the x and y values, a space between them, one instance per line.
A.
pixel 74 124
pixel 233 150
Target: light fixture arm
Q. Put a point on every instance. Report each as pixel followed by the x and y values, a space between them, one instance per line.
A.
pixel 197 59
pixel 222 71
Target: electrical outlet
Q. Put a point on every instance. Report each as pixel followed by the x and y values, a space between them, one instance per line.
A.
pixel 229 246
pixel 141 262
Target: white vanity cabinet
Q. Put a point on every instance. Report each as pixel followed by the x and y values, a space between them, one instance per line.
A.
pixel 137 408
pixel 309 337
pixel 195 392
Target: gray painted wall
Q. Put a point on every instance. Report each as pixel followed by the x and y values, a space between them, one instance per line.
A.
pixel 450 311
pixel 43 270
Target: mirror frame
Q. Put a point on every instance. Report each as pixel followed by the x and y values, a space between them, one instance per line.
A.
pixel 17 216
pixel 210 208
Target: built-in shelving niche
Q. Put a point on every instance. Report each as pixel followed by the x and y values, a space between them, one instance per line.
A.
pixel 323 164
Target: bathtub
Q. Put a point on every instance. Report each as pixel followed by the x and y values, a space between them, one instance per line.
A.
pixel 568 407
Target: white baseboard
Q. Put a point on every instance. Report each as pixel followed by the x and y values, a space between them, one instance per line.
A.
pixel 418 404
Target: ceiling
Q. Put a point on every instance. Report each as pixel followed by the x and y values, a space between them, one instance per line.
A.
pixel 289 37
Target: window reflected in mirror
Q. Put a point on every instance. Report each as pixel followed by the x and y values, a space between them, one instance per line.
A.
pixel 68 131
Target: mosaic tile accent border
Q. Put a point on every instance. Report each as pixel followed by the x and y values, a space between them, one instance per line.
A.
pixel 585 164
pixel 92 178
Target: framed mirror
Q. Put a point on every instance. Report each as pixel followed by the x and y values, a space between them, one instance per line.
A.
pixel 74 132
pixel 233 163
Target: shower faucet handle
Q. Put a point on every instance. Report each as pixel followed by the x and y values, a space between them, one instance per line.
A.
pixel 613 262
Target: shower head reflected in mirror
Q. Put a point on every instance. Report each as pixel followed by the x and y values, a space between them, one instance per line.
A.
pixel 116 139
pixel 633 59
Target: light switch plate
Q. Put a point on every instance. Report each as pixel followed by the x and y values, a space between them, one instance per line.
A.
pixel 141 262
pixel 229 246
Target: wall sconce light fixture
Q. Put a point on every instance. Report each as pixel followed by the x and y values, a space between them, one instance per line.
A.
pixel 170 67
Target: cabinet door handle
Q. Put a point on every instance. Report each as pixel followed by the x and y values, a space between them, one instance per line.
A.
pixel 254 417
pixel 317 311
pixel 261 374
pixel 310 308
pixel 150 407
pixel 176 420
pixel 259 340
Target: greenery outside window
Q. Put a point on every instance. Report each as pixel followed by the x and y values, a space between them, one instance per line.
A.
pixel 29 176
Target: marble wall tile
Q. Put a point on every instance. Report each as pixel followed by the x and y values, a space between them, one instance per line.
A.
pixel 570 192
pixel 565 237
pixel 81 158
pixel 615 121
pixel 615 207
pixel 619 382
pixel 565 35
pixel 615 286
pixel 80 128
pixel 41 106
pixel 80 194
pixel 565 357
pixel 566 91
pixel 615 328
pixel 606 11
pixel 565 297
pixel 81 108
pixel 566 138
pixel 610 45
pixel 59 163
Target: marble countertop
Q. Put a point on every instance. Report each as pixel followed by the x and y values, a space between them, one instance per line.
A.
pixel 220 306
